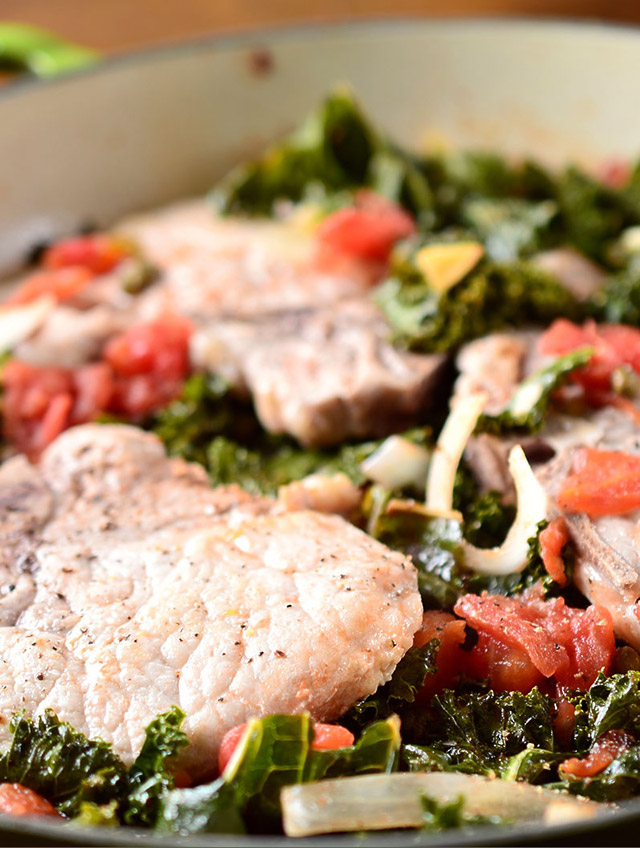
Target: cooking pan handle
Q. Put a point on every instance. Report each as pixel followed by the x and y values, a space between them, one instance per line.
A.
pixel 28 48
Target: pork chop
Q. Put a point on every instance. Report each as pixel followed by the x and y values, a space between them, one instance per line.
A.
pixel 324 375
pixel 144 587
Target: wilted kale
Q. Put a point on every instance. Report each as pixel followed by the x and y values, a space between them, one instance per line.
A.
pixel 210 425
pixel 52 758
pixel 527 409
pixel 400 692
pixel 277 752
pixel 85 777
pixel 507 734
pixel 336 148
pixel 593 214
pixel 491 298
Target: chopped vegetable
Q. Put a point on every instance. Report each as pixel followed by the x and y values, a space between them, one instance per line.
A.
pixel 99 253
pixel 601 483
pixel 394 801
pixel 397 464
pixel 490 298
pixel 17 800
pixel 444 265
pixel 528 406
pixel 513 553
pixel 19 322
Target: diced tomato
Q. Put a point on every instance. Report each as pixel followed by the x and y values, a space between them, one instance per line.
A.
pixel 368 230
pixel 570 645
pixel 552 541
pixel 228 745
pixel 99 253
pixel 614 172
pixel 564 722
pixel 604 751
pixel 326 737
pixel 614 345
pixel 61 284
pixel 150 362
pixel 450 632
pixel 39 403
pixel 18 800
pixel 602 483
pixel 505 667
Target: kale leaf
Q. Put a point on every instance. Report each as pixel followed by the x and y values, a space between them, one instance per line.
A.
pixel 148 777
pixel 483 733
pixel 527 409
pixel 276 751
pixel 84 777
pixel 618 301
pixel 492 297
pixel 407 680
pixel 336 149
pixel 52 758
pixel 611 703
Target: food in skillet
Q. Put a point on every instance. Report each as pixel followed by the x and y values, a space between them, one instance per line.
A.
pixel 339 593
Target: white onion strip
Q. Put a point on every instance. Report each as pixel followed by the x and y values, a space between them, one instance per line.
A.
pixel 447 454
pixel 384 801
pixel 513 553
pixel 397 463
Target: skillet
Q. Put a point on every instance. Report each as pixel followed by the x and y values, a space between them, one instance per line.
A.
pixel 144 129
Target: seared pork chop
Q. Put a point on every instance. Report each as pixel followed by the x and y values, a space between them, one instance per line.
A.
pixel 142 587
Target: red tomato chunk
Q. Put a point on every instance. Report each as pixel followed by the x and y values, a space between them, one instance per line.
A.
pixel 450 632
pixel 614 345
pixel 552 541
pixel 60 284
pixel 98 253
pixel 39 403
pixel 325 737
pixel 17 800
pixel 150 363
pixel 602 483
pixel 520 644
pixel 368 230
pixel 604 752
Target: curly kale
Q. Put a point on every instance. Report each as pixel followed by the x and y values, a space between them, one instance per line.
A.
pixel 85 777
pixel 337 149
pixel 492 297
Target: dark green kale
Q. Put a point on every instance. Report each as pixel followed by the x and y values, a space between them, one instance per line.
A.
pixel 593 214
pixel 83 777
pixel 407 680
pixel 483 733
pixel 611 703
pixel 527 409
pixel 277 751
pixel 209 425
pixel 52 758
pixel 148 778
pixel 491 298
pixel 336 149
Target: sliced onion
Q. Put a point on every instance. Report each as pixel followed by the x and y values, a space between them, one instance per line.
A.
pixel 447 454
pixel 513 553
pixel 384 801
pixel 397 463
pixel 19 322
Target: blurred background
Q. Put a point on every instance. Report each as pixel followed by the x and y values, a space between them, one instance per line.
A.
pixel 115 25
